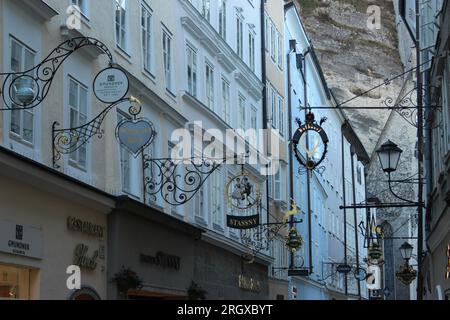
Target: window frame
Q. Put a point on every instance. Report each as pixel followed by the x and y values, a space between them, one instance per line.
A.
pixel 148 47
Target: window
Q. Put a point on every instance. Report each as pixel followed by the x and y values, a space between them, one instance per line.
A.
pixel 77 117
pixel 254 118
pixel 191 56
pixel 267 28
pixel 239 37
pixel 280 52
pixel 209 78
pixel 167 55
pixel 359 175
pixel 226 100
pixel 274 108
pixel 206 9
pixel 251 51
pixel 216 198
pixel 241 112
pixel 22 121
pixel 281 115
pixel 277 185
pixel 273 42
pixel 121 24
pixel 82 4
pixel 199 204
pixel 147 38
pixel 125 162
pixel 223 19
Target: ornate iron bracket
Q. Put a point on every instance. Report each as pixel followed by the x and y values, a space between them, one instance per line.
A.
pixel 28 89
pixel 406 107
pixel 67 141
pixel 177 181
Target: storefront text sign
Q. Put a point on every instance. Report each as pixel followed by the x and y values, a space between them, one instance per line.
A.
pixel 82 259
pixel 249 284
pixel 20 240
pixel 163 260
pixel 242 223
pixel 85 227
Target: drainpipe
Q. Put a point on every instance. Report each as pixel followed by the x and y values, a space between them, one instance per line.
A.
pixel 308 175
pixel 355 215
pixel 264 95
pixel 292 49
pixel 344 194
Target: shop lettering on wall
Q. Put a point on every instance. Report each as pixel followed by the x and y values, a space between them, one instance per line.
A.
pixel 85 227
pixel 163 260
pixel 82 259
pixel 249 284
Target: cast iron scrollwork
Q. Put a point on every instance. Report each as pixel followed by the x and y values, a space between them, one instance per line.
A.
pixel 67 141
pixel 406 107
pixel 177 181
pixel 27 89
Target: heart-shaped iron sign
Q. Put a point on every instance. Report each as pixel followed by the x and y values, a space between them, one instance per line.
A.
pixel 135 135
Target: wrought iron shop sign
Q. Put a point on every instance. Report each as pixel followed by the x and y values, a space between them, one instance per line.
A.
pixel 243 194
pixel 310 142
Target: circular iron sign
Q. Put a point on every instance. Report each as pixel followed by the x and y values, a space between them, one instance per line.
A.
pixel 310 143
pixel 111 85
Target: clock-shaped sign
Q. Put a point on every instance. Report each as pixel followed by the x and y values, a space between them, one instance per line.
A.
pixel 310 142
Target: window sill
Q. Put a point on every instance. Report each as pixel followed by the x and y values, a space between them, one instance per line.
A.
pixel 16 138
pixel 218 228
pixel 75 165
pixel 149 75
pixel 123 53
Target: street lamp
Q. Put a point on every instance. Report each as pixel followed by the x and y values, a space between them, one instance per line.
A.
pixel 406 274
pixel 406 250
pixel 389 156
pixel 24 90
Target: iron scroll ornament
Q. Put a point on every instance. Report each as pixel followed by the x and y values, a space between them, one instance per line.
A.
pixel 28 89
pixel 310 163
pixel 68 141
pixel 177 181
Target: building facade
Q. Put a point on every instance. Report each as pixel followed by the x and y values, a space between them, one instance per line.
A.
pixel 436 281
pixel 332 237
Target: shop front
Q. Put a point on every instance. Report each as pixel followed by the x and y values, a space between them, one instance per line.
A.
pixel 222 273
pixel 151 254
pixel 52 234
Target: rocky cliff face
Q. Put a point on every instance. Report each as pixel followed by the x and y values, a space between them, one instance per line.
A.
pixel 355 57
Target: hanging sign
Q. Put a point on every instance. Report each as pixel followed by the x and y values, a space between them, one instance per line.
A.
pixel 21 240
pixel 310 143
pixel 242 223
pixel 243 193
pixel 344 268
pixel 135 135
pixel 111 85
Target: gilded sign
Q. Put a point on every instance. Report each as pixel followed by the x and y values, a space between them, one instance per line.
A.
pixel 238 222
pixel 249 284
pixel 85 227
pixel 82 259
